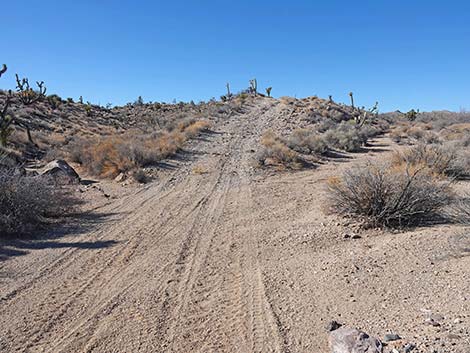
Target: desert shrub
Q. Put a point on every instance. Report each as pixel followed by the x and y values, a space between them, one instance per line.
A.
pixel 459 210
pixel 54 101
pixel 307 141
pixel 140 176
pixel 383 195
pixel 27 202
pixel 346 136
pixel 440 159
pixel 325 125
pixel 276 152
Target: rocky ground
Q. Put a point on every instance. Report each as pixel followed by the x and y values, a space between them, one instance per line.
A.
pixel 219 255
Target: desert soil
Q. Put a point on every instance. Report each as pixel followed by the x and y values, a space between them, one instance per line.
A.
pixel 233 259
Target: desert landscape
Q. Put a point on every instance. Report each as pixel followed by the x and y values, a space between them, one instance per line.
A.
pixel 234 177
pixel 243 224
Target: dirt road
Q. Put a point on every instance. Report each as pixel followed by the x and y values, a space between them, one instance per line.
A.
pixel 223 261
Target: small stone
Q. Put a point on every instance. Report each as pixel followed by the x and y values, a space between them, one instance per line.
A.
pixel 120 178
pixel 431 322
pixel 391 337
pixel 346 340
pixel 453 336
pixel 356 236
pixel 437 317
pixel 333 325
pixel 409 347
pixel 457 321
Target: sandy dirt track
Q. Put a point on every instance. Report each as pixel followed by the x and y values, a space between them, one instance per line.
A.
pixel 232 260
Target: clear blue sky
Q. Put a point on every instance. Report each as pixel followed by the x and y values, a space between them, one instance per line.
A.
pixel 403 53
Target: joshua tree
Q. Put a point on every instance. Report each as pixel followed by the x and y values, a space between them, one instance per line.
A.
pixel 268 91
pixel 254 86
pixel 412 115
pixel 352 99
pixel 29 96
pixel 5 119
pixel 361 119
pixel 228 91
pixel 3 70
pixel 139 101
pixel 330 98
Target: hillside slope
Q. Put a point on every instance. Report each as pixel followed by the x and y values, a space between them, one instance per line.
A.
pixel 232 259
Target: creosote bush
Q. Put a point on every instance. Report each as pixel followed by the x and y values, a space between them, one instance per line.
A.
pixel 28 202
pixel 390 196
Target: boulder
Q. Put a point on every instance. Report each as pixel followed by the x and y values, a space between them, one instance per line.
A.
pixel 60 169
pixel 350 340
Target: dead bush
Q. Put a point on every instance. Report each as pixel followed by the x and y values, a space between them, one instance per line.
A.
pixel 383 195
pixel 27 202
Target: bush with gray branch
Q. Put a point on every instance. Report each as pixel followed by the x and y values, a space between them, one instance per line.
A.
pixel 382 195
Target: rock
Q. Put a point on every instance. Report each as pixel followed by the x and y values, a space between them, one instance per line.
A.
pixel 432 322
pixel 120 178
pixel 350 340
pixel 453 336
pixel 437 317
pixel 60 169
pixel 389 337
pixel 333 325
pixel 409 347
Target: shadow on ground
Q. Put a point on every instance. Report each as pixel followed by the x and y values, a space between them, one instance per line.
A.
pixel 51 239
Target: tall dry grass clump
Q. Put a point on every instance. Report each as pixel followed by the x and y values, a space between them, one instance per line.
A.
pixel 110 155
pixel 391 196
